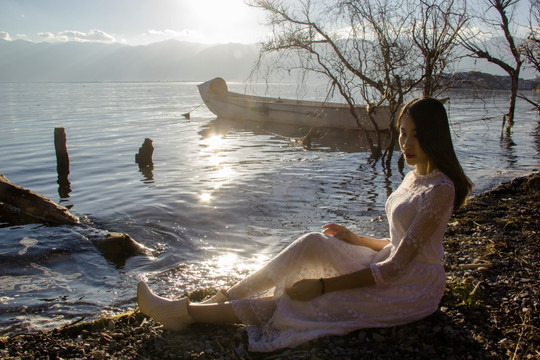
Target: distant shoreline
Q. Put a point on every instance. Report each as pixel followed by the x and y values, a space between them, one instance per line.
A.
pixel 480 80
pixel 465 80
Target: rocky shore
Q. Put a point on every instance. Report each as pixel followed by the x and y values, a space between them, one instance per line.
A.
pixel 490 309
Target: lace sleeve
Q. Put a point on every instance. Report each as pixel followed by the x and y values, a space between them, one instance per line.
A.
pixel 434 211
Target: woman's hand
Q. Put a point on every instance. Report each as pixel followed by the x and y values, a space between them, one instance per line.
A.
pixel 338 231
pixel 305 290
pixel 344 234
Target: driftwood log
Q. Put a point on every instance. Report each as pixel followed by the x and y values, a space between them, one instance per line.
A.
pixel 115 247
pixel 34 204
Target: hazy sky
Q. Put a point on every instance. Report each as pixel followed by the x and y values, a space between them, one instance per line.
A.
pixel 138 22
pixel 132 22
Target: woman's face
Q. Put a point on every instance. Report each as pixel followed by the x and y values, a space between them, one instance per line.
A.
pixel 408 142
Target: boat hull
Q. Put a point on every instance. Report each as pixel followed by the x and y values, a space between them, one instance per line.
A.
pixel 226 104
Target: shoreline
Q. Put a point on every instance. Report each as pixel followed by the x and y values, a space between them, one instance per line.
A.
pixel 490 309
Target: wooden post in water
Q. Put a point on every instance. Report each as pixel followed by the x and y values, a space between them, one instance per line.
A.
pixel 62 162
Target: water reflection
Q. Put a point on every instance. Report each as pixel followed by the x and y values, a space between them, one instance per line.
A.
pixel 148 173
pixel 346 142
pixel 508 150
pixel 322 139
pixel 536 136
pixel 218 169
pixel 64 186
pixel 214 141
pixel 370 187
pixel 231 263
pixel 205 197
pixel 219 271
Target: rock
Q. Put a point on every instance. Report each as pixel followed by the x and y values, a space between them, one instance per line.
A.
pixel 532 183
pixel 97 355
pixel 118 247
pixel 378 338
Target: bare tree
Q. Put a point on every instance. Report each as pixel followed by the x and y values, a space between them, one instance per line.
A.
pixel 359 58
pixel 498 17
pixel 435 32
pixel 375 51
pixel 531 46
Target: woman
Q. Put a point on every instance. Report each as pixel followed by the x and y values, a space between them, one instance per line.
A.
pixel 334 282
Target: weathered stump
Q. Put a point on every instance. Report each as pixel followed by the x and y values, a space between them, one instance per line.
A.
pixel 34 204
pixel 144 157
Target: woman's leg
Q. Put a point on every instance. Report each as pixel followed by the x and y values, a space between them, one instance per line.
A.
pixel 254 284
pixel 219 313
pixel 172 314
pixel 178 314
pixel 302 253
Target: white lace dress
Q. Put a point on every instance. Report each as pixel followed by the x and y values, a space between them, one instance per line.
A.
pixel 410 279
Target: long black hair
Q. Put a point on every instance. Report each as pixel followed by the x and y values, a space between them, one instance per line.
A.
pixel 433 133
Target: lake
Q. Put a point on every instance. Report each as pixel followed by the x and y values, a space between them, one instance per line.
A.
pixel 222 198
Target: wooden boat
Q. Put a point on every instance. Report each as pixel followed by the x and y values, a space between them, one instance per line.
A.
pixel 231 105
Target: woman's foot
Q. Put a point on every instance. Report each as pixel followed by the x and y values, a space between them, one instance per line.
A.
pixel 220 296
pixel 172 314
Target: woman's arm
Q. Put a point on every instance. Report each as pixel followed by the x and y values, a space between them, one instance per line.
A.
pixel 308 289
pixel 431 217
pixel 342 233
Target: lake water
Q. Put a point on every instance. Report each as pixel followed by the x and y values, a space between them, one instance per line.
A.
pixel 222 198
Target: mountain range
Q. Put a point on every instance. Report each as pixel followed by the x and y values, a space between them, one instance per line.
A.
pixel 171 60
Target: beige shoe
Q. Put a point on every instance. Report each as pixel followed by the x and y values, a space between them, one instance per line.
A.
pixel 172 314
pixel 220 296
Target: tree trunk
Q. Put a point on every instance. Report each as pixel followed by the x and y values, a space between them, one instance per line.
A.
pixel 513 97
pixel 34 204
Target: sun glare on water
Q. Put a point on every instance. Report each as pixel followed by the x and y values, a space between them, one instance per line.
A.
pixel 219 172
pixel 231 263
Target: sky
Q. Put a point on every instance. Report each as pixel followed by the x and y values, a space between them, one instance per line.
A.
pixel 132 22
pixel 140 22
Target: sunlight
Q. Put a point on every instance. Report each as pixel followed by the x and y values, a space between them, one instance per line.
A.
pixel 223 21
pixel 217 174
pixel 223 175
pixel 205 197
pixel 215 159
pixel 229 263
pixel 225 263
pixel 213 142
